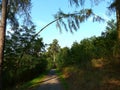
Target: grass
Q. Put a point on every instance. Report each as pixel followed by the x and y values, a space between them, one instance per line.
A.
pixel 62 79
pixel 96 77
pixel 30 85
pixel 33 84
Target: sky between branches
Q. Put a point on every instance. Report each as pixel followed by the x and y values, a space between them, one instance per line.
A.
pixel 43 11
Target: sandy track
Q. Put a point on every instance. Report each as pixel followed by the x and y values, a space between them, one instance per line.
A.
pixel 51 82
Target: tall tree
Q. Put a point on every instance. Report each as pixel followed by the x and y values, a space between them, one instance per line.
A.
pixel 8 11
pixel 2 35
pixel 53 51
pixel 115 6
pixel 63 58
pixel 16 43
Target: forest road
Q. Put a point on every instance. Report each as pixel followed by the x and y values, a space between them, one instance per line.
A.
pixel 51 82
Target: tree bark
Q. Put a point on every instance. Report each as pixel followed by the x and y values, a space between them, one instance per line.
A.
pixel 118 29
pixel 118 22
pixel 2 36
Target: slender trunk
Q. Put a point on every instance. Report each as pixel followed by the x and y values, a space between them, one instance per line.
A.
pixel 118 17
pixel 54 60
pixel 117 46
pixel 2 36
pixel 118 22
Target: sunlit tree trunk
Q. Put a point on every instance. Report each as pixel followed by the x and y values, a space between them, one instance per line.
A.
pixel 2 36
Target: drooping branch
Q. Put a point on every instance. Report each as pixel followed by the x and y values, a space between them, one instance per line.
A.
pixel 75 19
pixel 34 36
pixel 47 26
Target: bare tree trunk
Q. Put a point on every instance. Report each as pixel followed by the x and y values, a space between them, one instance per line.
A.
pixel 118 22
pixel 2 36
pixel 118 30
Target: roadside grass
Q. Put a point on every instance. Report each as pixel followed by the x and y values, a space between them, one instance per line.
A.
pixel 32 84
pixel 62 79
pixel 97 77
pixel 35 83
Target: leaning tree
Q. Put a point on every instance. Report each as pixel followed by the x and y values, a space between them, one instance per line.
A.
pixel 74 19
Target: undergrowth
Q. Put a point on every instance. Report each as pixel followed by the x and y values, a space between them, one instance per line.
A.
pixel 98 76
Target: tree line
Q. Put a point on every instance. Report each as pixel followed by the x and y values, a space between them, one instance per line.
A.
pixel 81 53
pixel 24 58
pixel 10 12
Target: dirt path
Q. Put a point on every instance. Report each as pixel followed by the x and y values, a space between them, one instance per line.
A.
pixel 51 82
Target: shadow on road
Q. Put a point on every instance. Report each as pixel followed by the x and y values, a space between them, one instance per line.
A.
pixel 51 82
pixel 48 78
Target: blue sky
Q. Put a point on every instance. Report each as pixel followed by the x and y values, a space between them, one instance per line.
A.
pixel 43 11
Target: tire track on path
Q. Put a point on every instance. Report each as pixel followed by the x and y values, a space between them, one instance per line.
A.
pixel 51 82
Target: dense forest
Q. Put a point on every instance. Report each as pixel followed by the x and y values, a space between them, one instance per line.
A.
pixel 101 47
pixel 92 63
pixel 26 58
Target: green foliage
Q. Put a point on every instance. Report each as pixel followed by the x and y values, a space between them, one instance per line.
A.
pixel 53 50
pixel 74 19
pixel 24 57
pixel 16 9
pixel 81 54
pixel 82 2
pixel 62 79
pixel 91 79
pixel 63 57
pixel 114 5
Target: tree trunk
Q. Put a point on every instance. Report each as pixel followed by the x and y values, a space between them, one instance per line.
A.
pixel 117 46
pixel 118 22
pixel 2 36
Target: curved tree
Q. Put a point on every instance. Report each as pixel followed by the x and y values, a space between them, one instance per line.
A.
pixel 74 19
